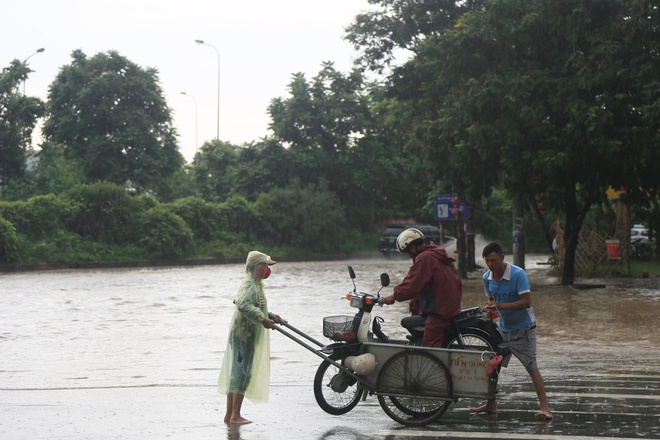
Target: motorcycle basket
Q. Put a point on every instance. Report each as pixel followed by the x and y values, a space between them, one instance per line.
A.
pixel 340 328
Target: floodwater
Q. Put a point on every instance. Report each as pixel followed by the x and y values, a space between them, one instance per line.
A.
pixel 135 353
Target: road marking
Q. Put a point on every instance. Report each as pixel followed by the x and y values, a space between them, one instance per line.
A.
pixel 489 435
pixel 624 376
pixel 562 387
pixel 582 395
pixel 599 413
pixel 556 411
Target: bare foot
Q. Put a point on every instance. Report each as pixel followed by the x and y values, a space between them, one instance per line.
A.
pixel 227 419
pixel 543 415
pixel 485 409
pixel 240 421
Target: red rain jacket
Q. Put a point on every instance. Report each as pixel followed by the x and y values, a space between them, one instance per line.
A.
pixel 435 280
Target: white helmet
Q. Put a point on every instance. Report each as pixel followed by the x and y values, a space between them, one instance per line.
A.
pixel 409 237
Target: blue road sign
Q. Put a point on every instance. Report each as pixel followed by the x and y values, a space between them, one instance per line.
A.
pixel 444 207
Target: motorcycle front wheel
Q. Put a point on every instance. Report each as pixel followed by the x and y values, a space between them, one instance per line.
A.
pixel 335 391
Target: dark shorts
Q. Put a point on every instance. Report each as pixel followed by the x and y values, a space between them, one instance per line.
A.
pixel 522 344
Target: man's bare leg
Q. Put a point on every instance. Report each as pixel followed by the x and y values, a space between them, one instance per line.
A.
pixel 490 407
pixel 539 386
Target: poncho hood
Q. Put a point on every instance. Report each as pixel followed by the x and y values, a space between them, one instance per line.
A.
pixel 438 252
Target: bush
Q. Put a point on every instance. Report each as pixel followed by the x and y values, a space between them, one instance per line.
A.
pixel 41 216
pixel 206 220
pixel 241 216
pixel 8 242
pixel 165 234
pixel 311 219
pixel 106 212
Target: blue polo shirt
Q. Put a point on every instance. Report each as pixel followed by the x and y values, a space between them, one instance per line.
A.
pixel 514 282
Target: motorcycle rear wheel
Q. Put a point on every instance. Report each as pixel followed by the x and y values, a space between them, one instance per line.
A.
pixel 474 339
pixel 335 391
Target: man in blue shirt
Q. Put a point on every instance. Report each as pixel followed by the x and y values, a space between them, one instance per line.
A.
pixel 507 288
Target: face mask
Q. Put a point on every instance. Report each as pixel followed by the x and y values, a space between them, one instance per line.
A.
pixel 263 272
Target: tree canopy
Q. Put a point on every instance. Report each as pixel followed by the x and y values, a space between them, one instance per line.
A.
pixel 110 114
pixel 335 137
pixel 18 116
pixel 548 95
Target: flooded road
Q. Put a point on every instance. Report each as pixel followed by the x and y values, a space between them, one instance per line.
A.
pixel 135 354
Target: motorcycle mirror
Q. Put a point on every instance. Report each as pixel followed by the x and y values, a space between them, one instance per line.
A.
pixel 384 279
pixel 384 282
pixel 351 273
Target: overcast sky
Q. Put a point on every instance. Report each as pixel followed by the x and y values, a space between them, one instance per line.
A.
pixel 261 44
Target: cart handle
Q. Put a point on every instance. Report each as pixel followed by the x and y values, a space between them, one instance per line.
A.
pixel 321 355
pixel 295 330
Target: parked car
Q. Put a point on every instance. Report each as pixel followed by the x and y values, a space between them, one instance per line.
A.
pixel 639 233
pixel 642 244
pixel 387 241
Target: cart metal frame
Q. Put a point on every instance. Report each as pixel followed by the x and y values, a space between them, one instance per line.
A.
pixel 414 384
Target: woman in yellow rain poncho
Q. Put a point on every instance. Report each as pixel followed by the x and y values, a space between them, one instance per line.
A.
pixel 246 366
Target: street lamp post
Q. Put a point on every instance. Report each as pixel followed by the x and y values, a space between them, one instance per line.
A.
pixel 217 132
pixel 41 49
pixel 193 98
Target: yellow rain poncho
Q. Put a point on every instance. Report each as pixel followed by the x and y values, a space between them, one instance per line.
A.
pixel 246 365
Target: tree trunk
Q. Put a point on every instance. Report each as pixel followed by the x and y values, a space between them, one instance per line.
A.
pixel 570 248
pixel 518 229
pixel 548 236
pixel 460 246
pixel 576 212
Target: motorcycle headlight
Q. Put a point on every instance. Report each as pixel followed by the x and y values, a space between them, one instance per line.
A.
pixel 357 301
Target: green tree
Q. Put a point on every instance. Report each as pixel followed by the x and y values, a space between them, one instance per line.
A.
pixel 51 173
pixel 261 167
pixel 320 122
pixel 179 185
pixel 402 25
pixel 9 242
pixel 308 218
pixel 335 140
pixel 110 114
pixel 520 92
pixel 18 116
pixel 214 170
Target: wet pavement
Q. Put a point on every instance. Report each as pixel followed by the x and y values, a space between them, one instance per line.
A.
pixel 134 354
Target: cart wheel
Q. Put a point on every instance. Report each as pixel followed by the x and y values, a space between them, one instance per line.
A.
pixel 414 388
pixel 336 392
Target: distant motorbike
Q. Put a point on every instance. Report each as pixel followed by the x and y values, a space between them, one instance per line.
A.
pixel 642 246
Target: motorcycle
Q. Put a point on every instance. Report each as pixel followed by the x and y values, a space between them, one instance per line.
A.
pixel 337 382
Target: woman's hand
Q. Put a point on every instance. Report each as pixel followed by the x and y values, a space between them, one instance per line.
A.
pixel 277 319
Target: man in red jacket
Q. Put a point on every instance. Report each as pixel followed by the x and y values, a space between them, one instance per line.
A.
pixel 433 279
